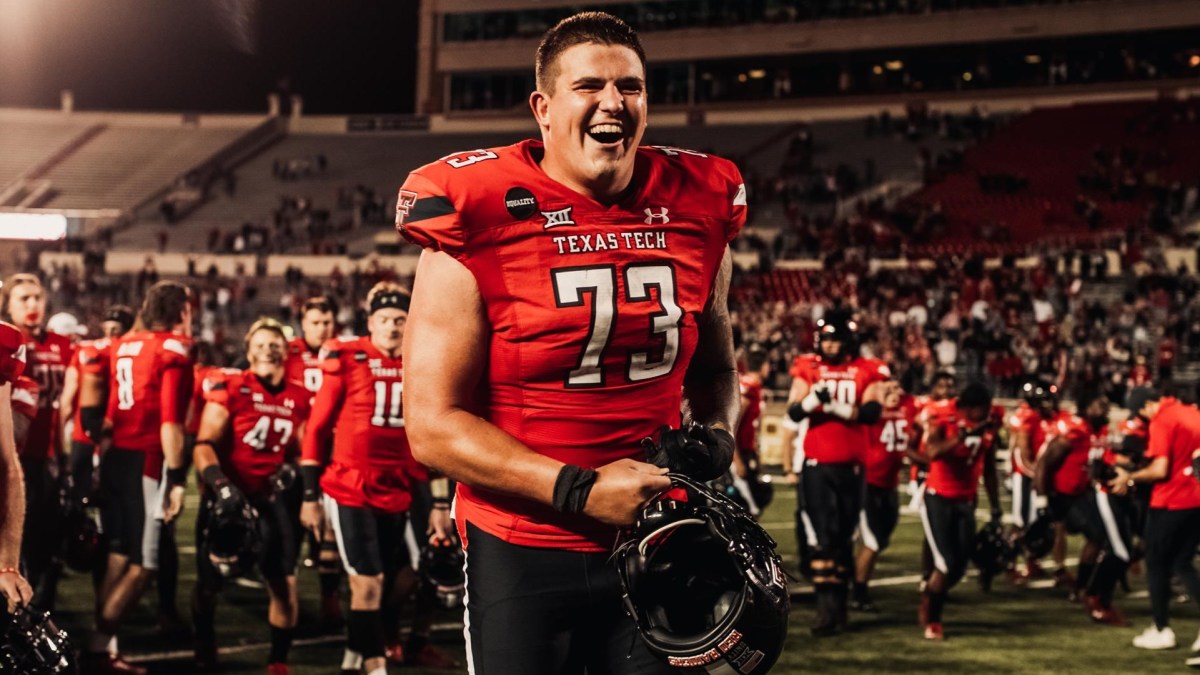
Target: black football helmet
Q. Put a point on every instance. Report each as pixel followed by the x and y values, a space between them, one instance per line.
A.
pixel 843 330
pixel 703 582
pixel 233 539
pixel 992 552
pixel 1042 396
pixel 441 567
pixel 30 644
pixel 1038 539
pixel 82 550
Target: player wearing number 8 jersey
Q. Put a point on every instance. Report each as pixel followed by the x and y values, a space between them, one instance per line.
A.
pixel 570 290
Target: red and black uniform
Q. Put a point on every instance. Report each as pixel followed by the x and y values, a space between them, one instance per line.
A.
pixel 265 422
pixel 1173 524
pixel 834 451
pixel 751 387
pixel 47 357
pixel 888 442
pixel 368 483
pixel 1071 478
pixel 952 486
pixel 1105 519
pixel 26 393
pixel 593 312
pixel 12 353
pixel 91 358
pixel 1022 420
pixel 150 384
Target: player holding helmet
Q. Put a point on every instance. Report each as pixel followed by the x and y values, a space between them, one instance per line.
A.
pixel 835 398
pixel 252 422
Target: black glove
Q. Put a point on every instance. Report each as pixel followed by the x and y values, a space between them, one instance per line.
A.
pixel 229 498
pixel 697 451
pixel 823 395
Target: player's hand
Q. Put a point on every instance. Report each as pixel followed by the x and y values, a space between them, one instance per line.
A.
pixel 621 488
pixel 791 478
pixel 817 396
pixel 313 518
pixel 441 526
pixel 15 589
pixel 229 498
pixel 1120 483
pixel 173 503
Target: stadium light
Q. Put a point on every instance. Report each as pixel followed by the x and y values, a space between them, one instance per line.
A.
pixel 33 226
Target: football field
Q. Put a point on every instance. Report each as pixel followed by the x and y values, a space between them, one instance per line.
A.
pixel 1011 630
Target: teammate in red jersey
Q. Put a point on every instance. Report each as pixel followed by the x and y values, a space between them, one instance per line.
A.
pixel 570 291
pixel 13 586
pixel 142 475
pixel 89 354
pixel 251 424
pixel 1026 432
pixel 1062 478
pixel 47 355
pixel 369 480
pixel 1173 524
pixel 960 441
pixel 317 326
pixel 743 471
pixel 892 439
pixel 835 398
pixel 944 386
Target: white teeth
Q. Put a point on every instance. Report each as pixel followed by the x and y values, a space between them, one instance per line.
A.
pixel 606 129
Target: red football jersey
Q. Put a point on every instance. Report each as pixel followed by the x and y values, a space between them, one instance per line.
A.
pixel 1022 420
pixel 12 353
pixel 593 308
pixel 264 422
pixel 955 474
pixel 25 393
pixel 200 383
pixel 360 404
pixel 303 364
pixel 830 439
pixel 747 431
pixel 888 440
pixel 47 359
pixel 151 384
pixel 1072 476
pixel 1175 434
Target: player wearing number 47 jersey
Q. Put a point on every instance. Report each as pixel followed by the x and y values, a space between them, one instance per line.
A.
pixel 569 291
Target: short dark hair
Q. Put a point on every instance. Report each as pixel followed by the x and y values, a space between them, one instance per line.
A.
pixel 756 356
pixel 975 395
pixel 944 375
pixel 1085 397
pixel 163 306
pixel 321 303
pixel 582 28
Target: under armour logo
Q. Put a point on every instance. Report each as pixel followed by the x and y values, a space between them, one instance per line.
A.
pixel 556 218
pixel 404 203
pixel 659 218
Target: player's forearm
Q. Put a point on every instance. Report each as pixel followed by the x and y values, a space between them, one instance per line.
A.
pixel 171 435
pixel 789 443
pixel 13 489
pixel 471 450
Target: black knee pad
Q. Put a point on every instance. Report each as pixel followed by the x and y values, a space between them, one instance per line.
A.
pixel 329 561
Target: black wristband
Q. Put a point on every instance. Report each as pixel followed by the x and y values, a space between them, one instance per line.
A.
pixel 572 487
pixel 212 475
pixel 870 412
pixel 177 476
pixel 796 412
pixel 310 475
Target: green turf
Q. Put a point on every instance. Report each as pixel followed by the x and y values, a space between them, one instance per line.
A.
pixel 1011 629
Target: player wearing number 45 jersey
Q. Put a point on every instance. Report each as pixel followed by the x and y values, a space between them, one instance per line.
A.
pixel 570 290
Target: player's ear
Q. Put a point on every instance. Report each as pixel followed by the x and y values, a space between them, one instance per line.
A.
pixel 540 104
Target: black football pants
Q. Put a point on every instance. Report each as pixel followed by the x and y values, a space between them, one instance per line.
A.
pixel 541 611
pixel 1171 540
